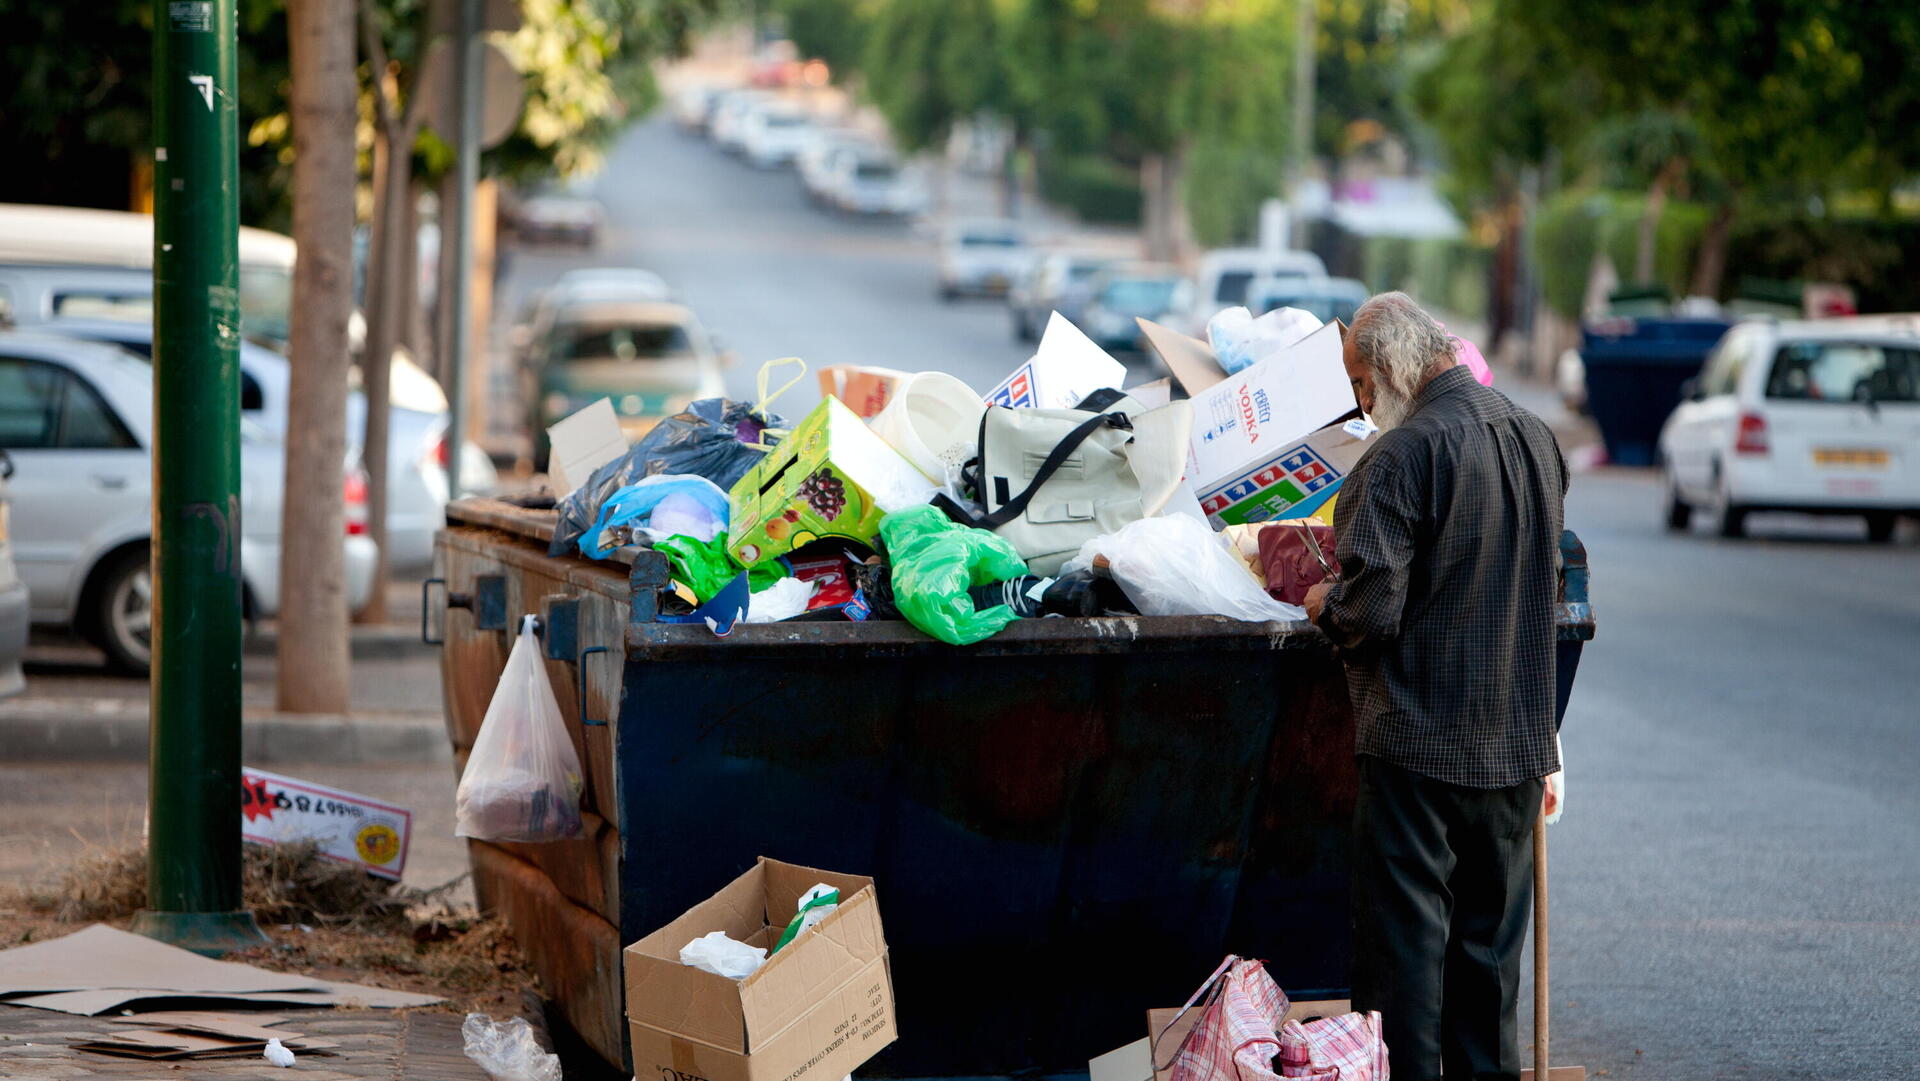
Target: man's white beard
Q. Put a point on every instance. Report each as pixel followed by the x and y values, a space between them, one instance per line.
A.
pixel 1390 407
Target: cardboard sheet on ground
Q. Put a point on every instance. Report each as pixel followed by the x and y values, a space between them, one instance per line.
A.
pixel 101 968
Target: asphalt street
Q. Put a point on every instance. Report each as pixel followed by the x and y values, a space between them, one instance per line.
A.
pixel 1736 884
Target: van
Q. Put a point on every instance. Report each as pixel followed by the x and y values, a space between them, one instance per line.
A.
pixel 1225 274
pixel 71 262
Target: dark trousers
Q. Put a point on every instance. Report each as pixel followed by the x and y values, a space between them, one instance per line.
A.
pixel 1442 890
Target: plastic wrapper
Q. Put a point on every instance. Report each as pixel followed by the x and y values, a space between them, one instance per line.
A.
pixel 507 1050
pixel 655 508
pixel 1175 566
pixel 716 953
pixel 523 780
pixel 782 600
pixel 816 904
pixel 710 438
pixel 1240 341
pixel 935 561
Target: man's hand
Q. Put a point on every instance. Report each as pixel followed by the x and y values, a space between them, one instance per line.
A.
pixel 1317 600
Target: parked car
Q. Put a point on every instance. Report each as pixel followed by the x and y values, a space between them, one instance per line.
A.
pixel 1122 294
pixel 982 258
pixel 773 135
pixel 416 432
pixel 693 106
pixel 650 359
pixel 587 285
pixel 1817 417
pixel 76 418
pixel 1326 299
pixel 1060 282
pixel 13 597
pixel 64 262
pixel 727 127
pixel 1225 274
pixel 818 161
pixel 567 215
pixel 875 184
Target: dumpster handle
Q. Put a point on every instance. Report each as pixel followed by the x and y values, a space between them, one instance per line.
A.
pixel 454 600
pixel 582 665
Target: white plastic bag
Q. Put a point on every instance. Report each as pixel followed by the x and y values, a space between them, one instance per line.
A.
pixel 1176 566
pixel 716 953
pixel 507 1050
pixel 1240 341
pixel 782 600
pixel 522 781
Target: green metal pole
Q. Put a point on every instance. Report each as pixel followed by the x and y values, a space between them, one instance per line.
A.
pixel 193 816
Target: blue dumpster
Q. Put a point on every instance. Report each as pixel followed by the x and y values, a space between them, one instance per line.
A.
pixel 1067 824
pixel 1634 371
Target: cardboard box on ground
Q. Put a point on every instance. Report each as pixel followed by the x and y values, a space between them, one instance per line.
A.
pixel 818 1009
pixel 1275 440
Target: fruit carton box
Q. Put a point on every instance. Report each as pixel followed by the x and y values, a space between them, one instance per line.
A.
pixel 830 477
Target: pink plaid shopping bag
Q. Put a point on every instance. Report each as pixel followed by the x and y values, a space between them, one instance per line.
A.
pixel 1345 1048
pixel 1235 1038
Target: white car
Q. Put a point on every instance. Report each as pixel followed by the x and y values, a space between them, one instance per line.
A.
pixel 1226 273
pixel 13 598
pixel 819 161
pixel 1819 417
pixel 774 134
pixel 416 433
pixel 728 124
pixel 982 258
pixel 875 184
pixel 77 420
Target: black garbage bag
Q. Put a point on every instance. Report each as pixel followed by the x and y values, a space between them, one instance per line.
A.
pixel 707 439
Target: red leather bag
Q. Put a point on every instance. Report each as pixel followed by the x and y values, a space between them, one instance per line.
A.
pixel 1296 555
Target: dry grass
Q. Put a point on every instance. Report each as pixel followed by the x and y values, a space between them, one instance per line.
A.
pixel 328 920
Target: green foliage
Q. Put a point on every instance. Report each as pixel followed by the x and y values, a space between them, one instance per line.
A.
pixel 1575 225
pixel 1225 185
pixel 1449 275
pixel 1361 72
pixel 833 30
pixel 1095 188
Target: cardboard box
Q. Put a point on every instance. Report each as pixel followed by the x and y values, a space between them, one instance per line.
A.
pixel 1066 367
pixel 816 1010
pixel 1275 440
pixel 864 390
pixel 830 477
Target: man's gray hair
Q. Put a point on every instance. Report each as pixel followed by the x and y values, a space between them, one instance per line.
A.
pixel 1400 342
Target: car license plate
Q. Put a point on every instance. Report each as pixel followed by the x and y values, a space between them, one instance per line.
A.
pixel 1851 457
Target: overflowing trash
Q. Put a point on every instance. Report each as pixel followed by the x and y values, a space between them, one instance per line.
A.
pixel 1058 493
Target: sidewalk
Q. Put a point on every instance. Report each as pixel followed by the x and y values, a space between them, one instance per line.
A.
pixel 74 709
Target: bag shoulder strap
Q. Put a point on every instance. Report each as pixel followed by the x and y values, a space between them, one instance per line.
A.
pixel 1015 507
pixel 1101 400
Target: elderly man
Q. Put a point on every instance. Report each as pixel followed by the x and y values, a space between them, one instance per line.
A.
pixel 1448 535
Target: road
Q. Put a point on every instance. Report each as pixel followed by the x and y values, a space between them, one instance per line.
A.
pixel 1735 884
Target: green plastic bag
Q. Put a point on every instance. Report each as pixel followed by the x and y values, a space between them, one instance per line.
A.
pixel 707 568
pixel 935 561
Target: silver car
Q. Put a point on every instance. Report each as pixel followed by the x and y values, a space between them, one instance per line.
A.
pixel 77 420
pixel 13 597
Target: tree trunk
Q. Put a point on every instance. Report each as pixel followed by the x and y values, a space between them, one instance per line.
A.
pixel 1710 266
pixel 1154 217
pixel 313 654
pixel 1173 196
pixel 1647 243
pixel 393 179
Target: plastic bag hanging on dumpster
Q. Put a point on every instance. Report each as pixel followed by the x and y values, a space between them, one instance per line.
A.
pixel 713 438
pixel 1177 566
pixel 523 780
pixel 935 562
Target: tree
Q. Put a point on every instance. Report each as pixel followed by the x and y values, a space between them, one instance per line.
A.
pixel 313 641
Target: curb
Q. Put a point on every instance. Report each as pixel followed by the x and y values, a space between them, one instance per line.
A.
pixel 115 730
